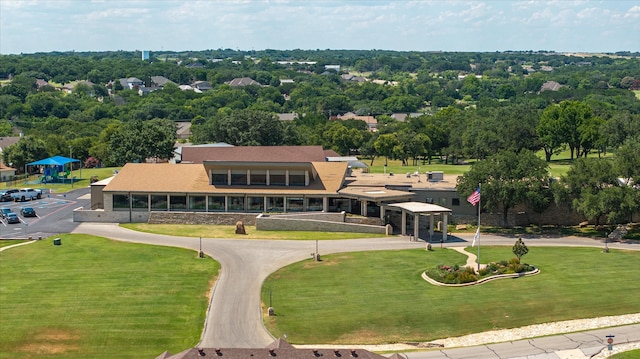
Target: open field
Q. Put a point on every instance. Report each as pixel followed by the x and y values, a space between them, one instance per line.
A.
pixel 558 166
pixel 95 298
pixel 379 297
pixel 216 231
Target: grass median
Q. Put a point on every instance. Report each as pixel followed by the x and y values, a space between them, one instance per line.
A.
pixel 219 231
pixel 379 296
pixel 95 298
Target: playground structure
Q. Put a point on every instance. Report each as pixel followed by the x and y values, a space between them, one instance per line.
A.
pixel 56 169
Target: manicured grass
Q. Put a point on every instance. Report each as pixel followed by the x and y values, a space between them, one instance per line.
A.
pixel 216 231
pixel 10 242
pixel 95 298
pixel 82 180
pixel 380 297
pixel 397 168
pixel 632 354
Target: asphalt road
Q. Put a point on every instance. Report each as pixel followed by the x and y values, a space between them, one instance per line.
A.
pixel 234 319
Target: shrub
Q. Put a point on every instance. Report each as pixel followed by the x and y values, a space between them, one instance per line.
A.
pixel 484 271
pixel 466 277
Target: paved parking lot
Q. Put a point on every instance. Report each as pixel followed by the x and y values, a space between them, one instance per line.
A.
pixel 54 214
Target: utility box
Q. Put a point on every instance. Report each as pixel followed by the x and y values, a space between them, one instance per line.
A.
pixel 435 176
pixel 57 241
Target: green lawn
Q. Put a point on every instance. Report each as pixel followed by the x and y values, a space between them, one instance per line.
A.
pixel 218 231
pixel 10 242
pixel 95 298
pixel 632 354
pixel 380 297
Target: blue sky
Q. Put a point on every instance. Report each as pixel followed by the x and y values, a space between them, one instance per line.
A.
pixel 28 26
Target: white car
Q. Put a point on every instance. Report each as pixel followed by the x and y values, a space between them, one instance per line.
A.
pixel 25 194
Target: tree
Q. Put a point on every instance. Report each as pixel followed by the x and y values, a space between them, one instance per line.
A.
pixel 385 144
pixel 592 186
pixel 506 178
pixel 139 140
pixel 520 249
pixel 26 150
pixel 249 128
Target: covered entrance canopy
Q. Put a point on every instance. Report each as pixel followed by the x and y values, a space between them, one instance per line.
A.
pixel 417 209
pixel 54 167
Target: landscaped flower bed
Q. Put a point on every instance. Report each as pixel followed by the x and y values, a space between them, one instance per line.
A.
pixel 460 275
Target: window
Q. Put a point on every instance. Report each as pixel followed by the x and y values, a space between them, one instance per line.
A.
pixel 120 201
pixel 429 200
pixel 159 202
pixel 177 203
pixel 216 203
pixel 140 202
pixel 255 204
pixel 277 178
pixel 455 201
pixel 314 204
pixel 219 177
pixel 258 178
pixel 443 201
pixel 238 177
pixel 295 204
pixel 236 204
pixel 297 178
pixel 197 203
pixel 275 204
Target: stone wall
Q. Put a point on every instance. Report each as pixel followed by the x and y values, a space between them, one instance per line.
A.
pixel 202 218
pixel 84 215
pixel 286 223
pixel 561 215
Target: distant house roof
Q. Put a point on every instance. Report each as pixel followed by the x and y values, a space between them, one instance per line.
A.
pixel 195 65
pixel 243 81
pixel 550 86
pixel 287 116
pixel 8 141
pixel 41 83
pixel 371 121
pixel 131 82
pixel 202 85
pixel 184 130
pixel 160 81
pixel 286 81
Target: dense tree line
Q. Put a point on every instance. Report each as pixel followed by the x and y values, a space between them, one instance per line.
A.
pixel 482 106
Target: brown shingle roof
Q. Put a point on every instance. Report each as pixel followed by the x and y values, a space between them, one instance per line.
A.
pixel 192 178
pixel 296 154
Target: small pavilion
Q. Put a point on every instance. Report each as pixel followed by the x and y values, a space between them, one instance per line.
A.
pixel 418 209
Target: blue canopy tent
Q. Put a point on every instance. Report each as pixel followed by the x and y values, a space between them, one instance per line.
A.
pixel 54 168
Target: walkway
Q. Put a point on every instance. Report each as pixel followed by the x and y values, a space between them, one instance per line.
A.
pixel 472 259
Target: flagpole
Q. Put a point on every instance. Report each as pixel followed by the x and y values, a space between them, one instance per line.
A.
pixel 479 210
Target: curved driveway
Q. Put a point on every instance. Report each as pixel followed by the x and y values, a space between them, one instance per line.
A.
pixel 234 319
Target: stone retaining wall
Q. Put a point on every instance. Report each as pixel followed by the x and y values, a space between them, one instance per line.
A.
pixel 286 223
pixel 202 218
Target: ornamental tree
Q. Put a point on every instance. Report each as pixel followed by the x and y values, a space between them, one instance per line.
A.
pixel 520 249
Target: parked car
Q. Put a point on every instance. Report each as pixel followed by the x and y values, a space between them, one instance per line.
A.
pixel 6 195
pixel 27 212
pixel 12 218
pixel 4 211
pixel 26 194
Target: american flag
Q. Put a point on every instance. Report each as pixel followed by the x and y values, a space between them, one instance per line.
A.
pixel 474 198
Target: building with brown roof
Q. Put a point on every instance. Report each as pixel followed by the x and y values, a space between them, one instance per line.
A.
pixel 240 183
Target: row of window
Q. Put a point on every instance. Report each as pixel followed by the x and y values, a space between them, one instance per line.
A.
pixel 249 177
pixel 202 203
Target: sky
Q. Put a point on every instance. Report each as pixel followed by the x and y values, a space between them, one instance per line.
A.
pixel 28 26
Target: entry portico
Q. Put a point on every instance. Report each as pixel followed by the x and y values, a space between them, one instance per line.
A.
pixel 417 209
